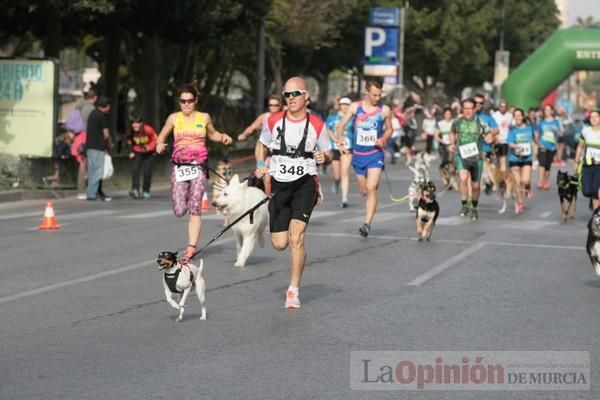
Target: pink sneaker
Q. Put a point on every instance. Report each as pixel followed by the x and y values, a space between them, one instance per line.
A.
pixel 539 186
pixel 520 208
pixel 547 186
pixel 291 300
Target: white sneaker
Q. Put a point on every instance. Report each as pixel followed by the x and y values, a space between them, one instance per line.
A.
pixel 81 196
pixel 292 300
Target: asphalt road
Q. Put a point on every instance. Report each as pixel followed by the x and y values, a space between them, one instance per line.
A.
pixel 82 313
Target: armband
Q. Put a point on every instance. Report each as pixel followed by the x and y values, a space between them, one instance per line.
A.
pixel 260 163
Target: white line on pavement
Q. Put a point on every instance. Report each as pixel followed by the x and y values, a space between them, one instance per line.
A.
pixel 545 214
pixel 84 279
pixel 22 215
pixel 419 280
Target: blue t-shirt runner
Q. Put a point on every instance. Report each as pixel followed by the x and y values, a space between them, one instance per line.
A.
pixel 523 138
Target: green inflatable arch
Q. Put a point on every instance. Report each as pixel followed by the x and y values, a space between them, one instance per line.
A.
pixel 565 51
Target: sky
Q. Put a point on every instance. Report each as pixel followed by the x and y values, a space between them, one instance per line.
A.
pixel 583 8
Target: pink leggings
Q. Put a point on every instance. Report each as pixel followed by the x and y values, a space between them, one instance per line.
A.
pixel 187 195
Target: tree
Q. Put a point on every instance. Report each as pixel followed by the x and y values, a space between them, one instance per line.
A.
pixel 586 23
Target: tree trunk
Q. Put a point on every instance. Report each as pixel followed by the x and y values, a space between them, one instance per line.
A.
pixel 52 44
pixel 277 71
pixel 150 80
pixel 111 76
pixel 189 65
pixel 323 81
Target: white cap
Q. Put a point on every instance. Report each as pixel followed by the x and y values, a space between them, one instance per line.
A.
pixel 345 100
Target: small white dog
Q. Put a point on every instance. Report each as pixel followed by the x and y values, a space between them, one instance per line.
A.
pixel 180 278
pixel 236 199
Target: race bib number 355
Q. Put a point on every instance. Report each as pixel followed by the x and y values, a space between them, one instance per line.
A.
pixel 366 137
pixel 186 172
pixel 468 150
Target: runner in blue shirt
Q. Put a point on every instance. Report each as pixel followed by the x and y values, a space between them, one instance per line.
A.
pixel 340 166
pixel 486 147
pixel 521 138
pixel 548 130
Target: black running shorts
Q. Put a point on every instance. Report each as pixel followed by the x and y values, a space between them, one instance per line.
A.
pixel 291 200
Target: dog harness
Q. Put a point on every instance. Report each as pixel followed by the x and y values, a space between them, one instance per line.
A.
pixel 171 279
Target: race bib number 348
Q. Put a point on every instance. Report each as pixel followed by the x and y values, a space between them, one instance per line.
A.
pixel 186 172
pixel 290 169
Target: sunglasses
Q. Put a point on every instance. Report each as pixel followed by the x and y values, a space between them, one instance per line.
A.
pixel 187 101
pixel 273 105
pixel 293 93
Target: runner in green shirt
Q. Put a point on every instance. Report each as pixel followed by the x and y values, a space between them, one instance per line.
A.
pixel 466 137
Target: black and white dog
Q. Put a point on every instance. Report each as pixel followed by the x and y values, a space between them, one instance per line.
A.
pixel 180 278
pixel 593 240
pixel 428 210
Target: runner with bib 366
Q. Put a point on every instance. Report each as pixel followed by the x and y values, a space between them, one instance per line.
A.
pixel 372 130
pixel 467 137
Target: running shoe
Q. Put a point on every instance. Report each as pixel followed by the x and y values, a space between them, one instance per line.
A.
pixel 292 300
pixel 364 230
pixel 488 188
pixel 474 214
pixel 539 186
pixel 105 198
pixel 344 204
pixel 464 211
pixel 529 193
pixel 134 193
pixel 81 196
pixel 146 195
pixel 547 186
pixel 519 208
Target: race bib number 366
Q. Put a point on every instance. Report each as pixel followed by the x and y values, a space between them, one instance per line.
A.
pixel 468 150
pixel 366 137
pixel 186 172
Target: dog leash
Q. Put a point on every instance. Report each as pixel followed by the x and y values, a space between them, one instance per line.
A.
pixel 389 185
pixel 219 175
pixel 238 219
pixel 405 198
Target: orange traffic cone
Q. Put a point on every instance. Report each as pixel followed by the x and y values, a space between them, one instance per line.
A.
pixel 205 203
pixel 49 221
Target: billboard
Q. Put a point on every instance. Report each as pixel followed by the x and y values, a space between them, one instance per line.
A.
pixel 28 106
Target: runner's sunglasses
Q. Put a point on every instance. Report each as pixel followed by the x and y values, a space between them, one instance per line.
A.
pixel 293 93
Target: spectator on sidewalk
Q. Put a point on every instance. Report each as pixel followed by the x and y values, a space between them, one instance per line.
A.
pixel 142 143
pixel 60 156
pixel 78 152
pixel 97 144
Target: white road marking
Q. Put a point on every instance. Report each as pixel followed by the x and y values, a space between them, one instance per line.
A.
pixel 322 214
pixel 22 215
pixel 385 216
pixel 529 225
pixel 419 280
pixel 84 279
pixel 545 214
pixel 97 213
pixel 454 220
pixel 538 246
